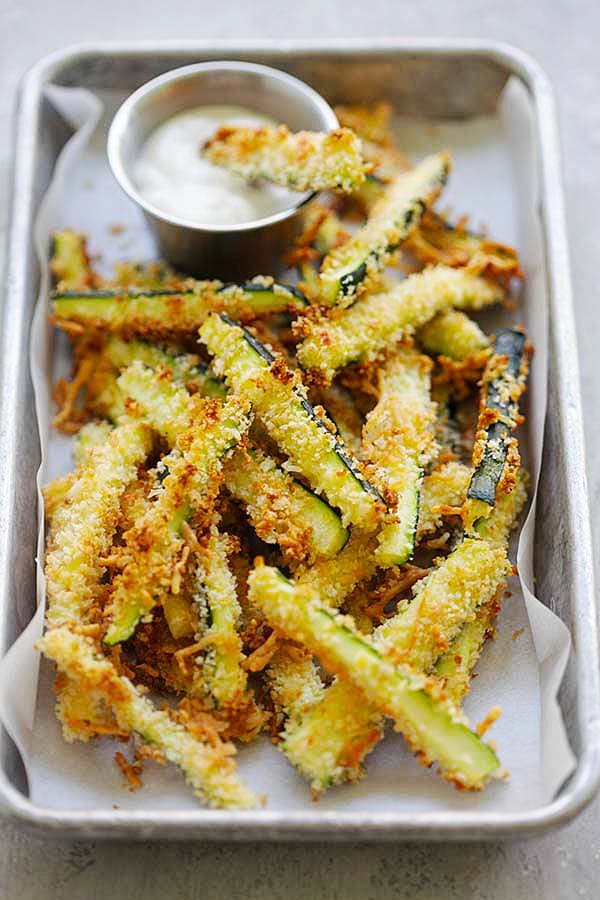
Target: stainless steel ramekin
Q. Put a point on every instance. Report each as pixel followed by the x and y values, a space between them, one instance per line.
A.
pixel 209 251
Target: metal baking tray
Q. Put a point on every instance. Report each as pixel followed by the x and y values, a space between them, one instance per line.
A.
pixel 443 78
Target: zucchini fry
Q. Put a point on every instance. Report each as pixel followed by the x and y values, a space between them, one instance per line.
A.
pixel 507 509
pixel 431 726
pixel 360 333
pixel 163 315
pixel 442 602
pixel 216 596
pixel 452 610
pixel 415 637
pixel 307 437
pixel 83 526
pixel 398 439
pixel 208 767
pixel 354 267
pixel 188 478
pixel 305 161
pixel 496 458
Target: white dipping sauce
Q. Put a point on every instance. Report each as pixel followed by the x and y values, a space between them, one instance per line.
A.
pixel 173 175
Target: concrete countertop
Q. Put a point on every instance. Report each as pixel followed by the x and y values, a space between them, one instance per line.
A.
pixel 564 35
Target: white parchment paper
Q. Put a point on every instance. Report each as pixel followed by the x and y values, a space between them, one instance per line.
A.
pixel 494 178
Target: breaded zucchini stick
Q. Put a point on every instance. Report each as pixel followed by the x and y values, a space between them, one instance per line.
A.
pixel 307 436
pixel 456 603
pixel 444 489
pixel 496 458
pixel 360 333
pixel 83 525
pixel 215 596
pixel 398 438
pixel 353 268
pixel 208 768
pixel 163 315
pixel 203 433
pixel 416 636
pixel 304 161
pixel 281 510
pixel 456 666
pixel 431 727
pixel 91 435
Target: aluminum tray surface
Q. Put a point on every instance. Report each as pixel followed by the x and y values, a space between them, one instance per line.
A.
pixel 453 79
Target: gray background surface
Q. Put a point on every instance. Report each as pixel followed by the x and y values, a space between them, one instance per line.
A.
pixel 564 35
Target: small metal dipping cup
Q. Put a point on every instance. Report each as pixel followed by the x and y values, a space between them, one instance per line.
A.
pixel 208 251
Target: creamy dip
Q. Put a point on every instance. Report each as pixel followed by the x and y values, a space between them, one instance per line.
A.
pixel 172 174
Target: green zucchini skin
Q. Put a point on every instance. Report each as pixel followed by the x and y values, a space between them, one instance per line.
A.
pixel 488 473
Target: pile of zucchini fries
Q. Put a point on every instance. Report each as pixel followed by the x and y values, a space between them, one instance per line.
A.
pixel 291 506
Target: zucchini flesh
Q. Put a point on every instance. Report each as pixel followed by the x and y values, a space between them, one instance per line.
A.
pixel 416 636
pixel 398 438
pixel 222 667
pixel 82 528
pixel 353 268
pixel 279 400
pixel 305 161
pixel 495 452
pixel 208 767
pixel 70 265
pixel 203 435
pixel 360 333
pixel 428 724
pixel 281 510
pixel 164 314
pixel 452 334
